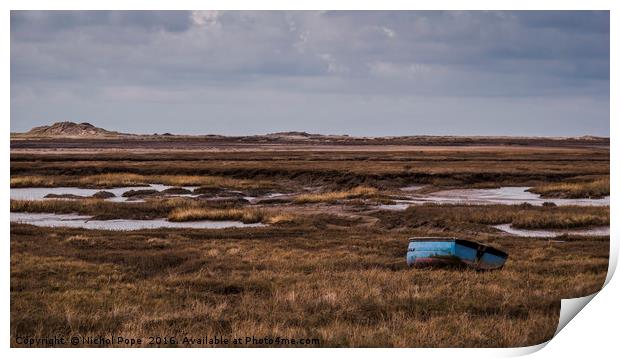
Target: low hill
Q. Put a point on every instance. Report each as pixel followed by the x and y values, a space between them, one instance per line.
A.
pixel 70 129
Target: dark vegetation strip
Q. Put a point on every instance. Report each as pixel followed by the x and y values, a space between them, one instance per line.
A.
pixel 319 177
pixel 448 217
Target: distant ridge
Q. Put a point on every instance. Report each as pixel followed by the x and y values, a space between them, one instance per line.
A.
pixel 71 129
pixel 76 131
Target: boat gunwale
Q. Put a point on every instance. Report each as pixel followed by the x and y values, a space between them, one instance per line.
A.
pixel 467 243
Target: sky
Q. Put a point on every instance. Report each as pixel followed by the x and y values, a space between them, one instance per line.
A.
pixel 362 73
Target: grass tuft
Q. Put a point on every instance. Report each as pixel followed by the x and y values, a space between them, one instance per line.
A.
pixel 593 189
pixel 330 197
pixel 245 215
pixel 533 220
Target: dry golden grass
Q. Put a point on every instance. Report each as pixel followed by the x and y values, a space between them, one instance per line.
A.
pixel 280 218
pixel 348 288
pixel 110 180
pixel 533 220
pixel 208 181
pixel 246 215
pixel 592 189
pixel 357 192
pixel 175 209
pixel 32 181
pixel 100 208
pixel 451 217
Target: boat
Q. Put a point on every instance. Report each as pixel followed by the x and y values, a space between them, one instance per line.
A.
pixel 449 251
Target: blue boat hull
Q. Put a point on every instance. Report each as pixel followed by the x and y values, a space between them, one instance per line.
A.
pixel 453 252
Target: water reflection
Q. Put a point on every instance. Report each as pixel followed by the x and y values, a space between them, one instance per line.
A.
pixel 594 231
pixel 85 222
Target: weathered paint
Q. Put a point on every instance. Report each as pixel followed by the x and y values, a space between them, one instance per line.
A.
pixel 435 251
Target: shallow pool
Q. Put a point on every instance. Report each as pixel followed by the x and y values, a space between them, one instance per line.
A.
pixel 85 222
pixel 510 195
pixel 40 193
pixel 594 231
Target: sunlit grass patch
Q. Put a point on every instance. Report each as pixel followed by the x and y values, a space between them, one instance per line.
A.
pixel 112 179
pixel 100 208
pixel 175 209
pixel 533 220
pixel 32 181
pixel 209 181
pixel 357 192
pixel 592 189
pixel 280 218
pixel 247 215
pixel 450 217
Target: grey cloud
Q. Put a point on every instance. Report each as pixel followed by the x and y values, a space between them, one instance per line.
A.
pixel 64 59
pixel 38 25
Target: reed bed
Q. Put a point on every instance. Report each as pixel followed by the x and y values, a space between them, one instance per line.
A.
pixel 531 220
pixel 100 208
pixel 449 217
pixel 175 209
pixel 245 215
pixel 592 189
pixel 330 197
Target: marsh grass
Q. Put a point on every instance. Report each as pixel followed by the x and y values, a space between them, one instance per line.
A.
pixel 280 218
pixel 590 189
pixel 175 209
pixel 560 220
pixel 459 167
pixel 99 208
pixel 32 181
pixel 449 217
pixel 441 216
pixel 110 180
pixel 342 279
pixel 349 288
pixel 245 215
pixel 330 197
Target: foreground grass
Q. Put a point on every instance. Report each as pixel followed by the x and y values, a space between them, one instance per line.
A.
pixel 330 197
pixel 590 189
pixel 348 288
pixel 110 180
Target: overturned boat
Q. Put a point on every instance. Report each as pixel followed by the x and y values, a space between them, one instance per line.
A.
pixel 441 251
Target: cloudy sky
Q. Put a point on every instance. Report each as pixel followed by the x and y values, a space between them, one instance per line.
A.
pixel 360 73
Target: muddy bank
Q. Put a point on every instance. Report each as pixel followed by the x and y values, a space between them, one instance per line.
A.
pixel 120 194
